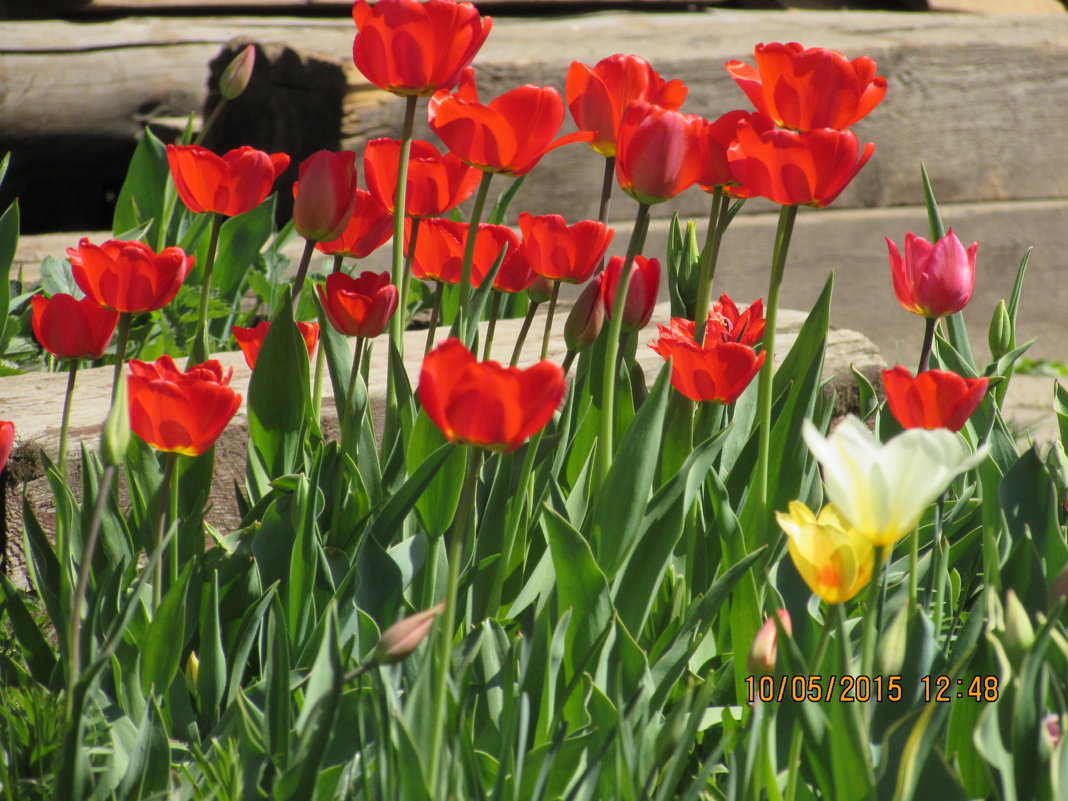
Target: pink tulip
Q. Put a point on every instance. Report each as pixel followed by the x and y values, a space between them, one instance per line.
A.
pixel 933 280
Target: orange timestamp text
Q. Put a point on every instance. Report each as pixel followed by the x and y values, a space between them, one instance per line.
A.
pixel 819 688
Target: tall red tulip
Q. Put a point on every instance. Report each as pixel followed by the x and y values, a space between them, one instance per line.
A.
pixel 72 329
pixel 714 371
pixel 515 274
pixel 410 48
pixel 810 88
pixel 660 152
pixel 180 412
pixel 807 168
pixel 483 403
pixel 597 96
pixel 509 135
pixel 230 184
pixel 369 227
pixel 359 307
pixel 7 441
pixel 436 183
pixel 719 136
pixel 563 252
pixel 933 399
pixel 250 340
pixel 933 280
pixel 128 276
pixel 324 195
pixel 641 291
pixel 439 250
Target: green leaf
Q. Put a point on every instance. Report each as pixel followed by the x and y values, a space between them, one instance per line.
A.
pixel 504 200
pixel 141 198
pixel 240 241
pixel 211 678
pixel 9 240
pixel 165 638
pixel 437 503
pixel 279 394
pixel 276 679
pixel 621 502
pixel 35 649
pixel 391 518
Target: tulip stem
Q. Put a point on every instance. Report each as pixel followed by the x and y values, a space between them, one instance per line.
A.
pixel 495 310
pixel 209 121
pixel 64 424
pixel 928 342
pixel 568 361
pixel 717 219
pixel 172 515
pixel 457 536
pixel 302 273
pixel 402 305
pixel 348 441
pixel 163 502
pixel 938 570
pixel 874 609
pixel 472 235
pixel 199 352
pixel 435 313
pixel 606 194
pixel 549 320
pixel 120 352
pixel 787 215
pixel 615 327
pixel 523 332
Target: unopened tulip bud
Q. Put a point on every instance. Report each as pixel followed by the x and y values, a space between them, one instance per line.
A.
pixel 892 644
pixel 999 337
pixel 404 636
pixel 192 671
pixel 236 76
pixel 765 646
pixel 586 318
pixel 1051 733
pixel 541 290
pixel 324 195
pixel 1019 632
pixel 115 436
pixel 641 291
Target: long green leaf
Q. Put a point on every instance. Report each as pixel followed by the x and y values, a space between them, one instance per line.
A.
pixel 165 639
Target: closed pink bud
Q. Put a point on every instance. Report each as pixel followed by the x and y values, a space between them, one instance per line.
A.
pixel 404 636
pixel 765 648
pixel 586 318
pixel 237 73
pixel 933 280
pixel 641 292
pixel 324 195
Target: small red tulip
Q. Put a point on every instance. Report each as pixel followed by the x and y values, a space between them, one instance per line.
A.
pixel 72 329
pixel 359 307
pixel 7 441
pixel 809 88
pixel 715 371
pixel 483 403
pixel 180 412
pixel 597 96
pixel 933 280
pixel 810 168
pixel 324 195
pixel 933 399
pixel 508 135
pixel 409 47
pixel 369 227
pixel 560 251
pixel 725 323
pixel 641 291
pixel 230 184
pixel 250 340
pixel 660 152
pixel 128 276
pixel 439 250
pixel 719 136
pixel 515 274
pixel 436 183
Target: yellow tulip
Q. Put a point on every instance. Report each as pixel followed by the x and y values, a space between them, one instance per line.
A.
pixel 833 558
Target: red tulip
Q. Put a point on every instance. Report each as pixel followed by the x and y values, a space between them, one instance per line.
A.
pixel 515 274
pixel 230 184
pixel 180 412
pixel 369 227
pixel 933 399
pixel 719 136
pixel 409 47
pixel 725 323
pixel 509 135
pixel 439 250
pixel 250 340
pixel 359 307
pixel 72 329
pixel 560 251
pixel 483 403
pixel 128 276
pixel 436 183
pixel 806 89
pixel 439 254
pixel 598 95
pixel 324 195
pixel 715 371
pixel 933 280
pixel 641 291
pixel 660 152
pixel 808 168
pixel 7 441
